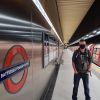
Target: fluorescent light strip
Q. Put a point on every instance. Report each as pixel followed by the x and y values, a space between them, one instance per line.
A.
pixel 88 36
pixel 41 9
pixel 94 31
pixel 98 33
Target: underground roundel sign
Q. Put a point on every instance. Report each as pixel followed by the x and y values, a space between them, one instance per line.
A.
pixel 10 69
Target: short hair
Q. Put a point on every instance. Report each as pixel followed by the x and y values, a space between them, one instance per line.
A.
pixel 82 40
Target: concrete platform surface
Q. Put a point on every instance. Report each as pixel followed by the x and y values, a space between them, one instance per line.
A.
pixel 64 83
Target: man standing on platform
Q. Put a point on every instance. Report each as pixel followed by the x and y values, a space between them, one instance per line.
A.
pixel 81 62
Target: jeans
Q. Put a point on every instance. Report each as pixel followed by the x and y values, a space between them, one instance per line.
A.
pixel 85 78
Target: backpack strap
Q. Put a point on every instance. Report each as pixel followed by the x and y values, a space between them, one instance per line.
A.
pixel 77 53
pixel 87 51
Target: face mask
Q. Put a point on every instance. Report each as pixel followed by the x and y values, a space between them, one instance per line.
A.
pixel 82 46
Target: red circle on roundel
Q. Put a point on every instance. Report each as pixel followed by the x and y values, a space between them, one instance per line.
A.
pixel 9 84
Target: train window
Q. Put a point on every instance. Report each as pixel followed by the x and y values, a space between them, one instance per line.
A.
pixel 95 51
pixel 50 50
pixel 45 50
pixel 53 51
pixel 95 55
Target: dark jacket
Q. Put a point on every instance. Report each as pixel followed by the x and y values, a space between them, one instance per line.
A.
pixel 82 60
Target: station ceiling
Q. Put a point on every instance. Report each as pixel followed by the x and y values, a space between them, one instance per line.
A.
pixel 90 23
pixel 71 13
pixel 72 19
pixel 66 15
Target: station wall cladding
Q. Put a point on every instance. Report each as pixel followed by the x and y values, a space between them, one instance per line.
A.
pixel 27 51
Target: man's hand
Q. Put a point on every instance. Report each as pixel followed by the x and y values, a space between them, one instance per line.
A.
pixel 90 69
pixel 75 72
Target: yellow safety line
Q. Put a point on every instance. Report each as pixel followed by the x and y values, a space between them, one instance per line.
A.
pixel 96 68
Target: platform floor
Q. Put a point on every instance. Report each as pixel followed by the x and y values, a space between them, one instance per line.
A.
pixel 64 83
